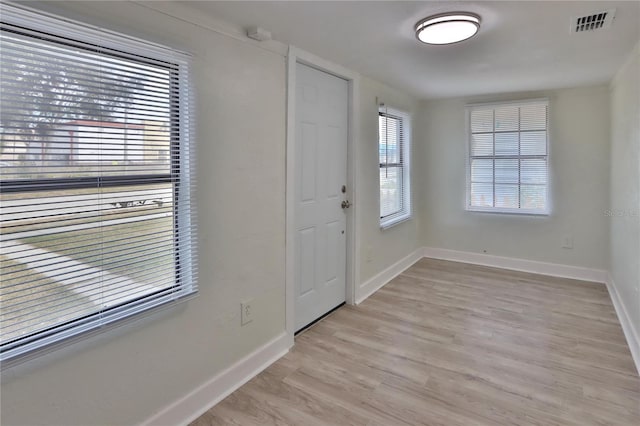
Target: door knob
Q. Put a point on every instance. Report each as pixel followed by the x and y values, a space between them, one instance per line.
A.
pixel 346 204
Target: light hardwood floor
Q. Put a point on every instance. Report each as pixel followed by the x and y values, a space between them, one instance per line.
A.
pixel 448 343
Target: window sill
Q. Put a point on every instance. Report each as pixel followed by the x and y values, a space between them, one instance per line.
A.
pixel 389 223
pixel 516 212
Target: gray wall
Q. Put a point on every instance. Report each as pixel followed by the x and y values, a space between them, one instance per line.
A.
pixel 579 173
pixel 379 248
pixel 127 374
pixel 624 218
pixel 122 377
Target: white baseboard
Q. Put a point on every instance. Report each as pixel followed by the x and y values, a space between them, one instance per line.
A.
pixel 630 332
pixel 523 265
pixel 195 403
pixel 376 282
pixel 191 406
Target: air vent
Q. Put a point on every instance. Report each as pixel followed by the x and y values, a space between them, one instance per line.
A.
pixel 593 22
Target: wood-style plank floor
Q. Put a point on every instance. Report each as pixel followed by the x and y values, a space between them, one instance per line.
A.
pixel 452 344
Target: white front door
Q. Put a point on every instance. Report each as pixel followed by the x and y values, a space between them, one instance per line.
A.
pixel 321 125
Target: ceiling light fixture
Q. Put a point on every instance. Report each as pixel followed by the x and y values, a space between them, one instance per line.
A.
pixel 447 28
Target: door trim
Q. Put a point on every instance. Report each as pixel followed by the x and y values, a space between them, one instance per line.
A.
pixel 294 57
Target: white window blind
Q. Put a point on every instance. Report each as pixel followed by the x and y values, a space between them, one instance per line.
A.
pixel 97 179
pixel 393 150
pixel 507 166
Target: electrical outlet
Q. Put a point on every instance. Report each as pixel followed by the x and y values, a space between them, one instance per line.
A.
pixel 567 241
pixel 246 314
pixel 369 254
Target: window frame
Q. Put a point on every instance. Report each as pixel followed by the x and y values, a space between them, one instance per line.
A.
pixel 404 142
pixel 28 23
pixel 468 150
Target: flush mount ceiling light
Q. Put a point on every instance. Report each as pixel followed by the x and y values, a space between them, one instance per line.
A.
pixel 447 28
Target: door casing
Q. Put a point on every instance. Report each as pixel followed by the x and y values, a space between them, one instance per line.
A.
pixel 295 56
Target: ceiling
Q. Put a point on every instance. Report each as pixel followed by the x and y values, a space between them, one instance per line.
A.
pixel 521 46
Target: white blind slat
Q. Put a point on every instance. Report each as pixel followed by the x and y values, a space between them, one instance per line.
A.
pixel 508 166
pixel 393 151
pixel 97 218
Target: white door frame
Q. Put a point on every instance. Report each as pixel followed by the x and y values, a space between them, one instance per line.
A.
pixel 295 57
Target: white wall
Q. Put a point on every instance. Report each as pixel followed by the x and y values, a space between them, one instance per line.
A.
pixel 381 248
pixel 125 375
pixel 624 220
pixel 579 168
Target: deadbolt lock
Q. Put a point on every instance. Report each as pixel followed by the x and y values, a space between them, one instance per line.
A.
pixel 344 189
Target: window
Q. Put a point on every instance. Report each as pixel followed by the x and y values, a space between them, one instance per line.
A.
pixel 96 213
pixel 507 166
pixel 394 129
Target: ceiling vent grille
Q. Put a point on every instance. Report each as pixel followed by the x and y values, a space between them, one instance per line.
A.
pixel 593 21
